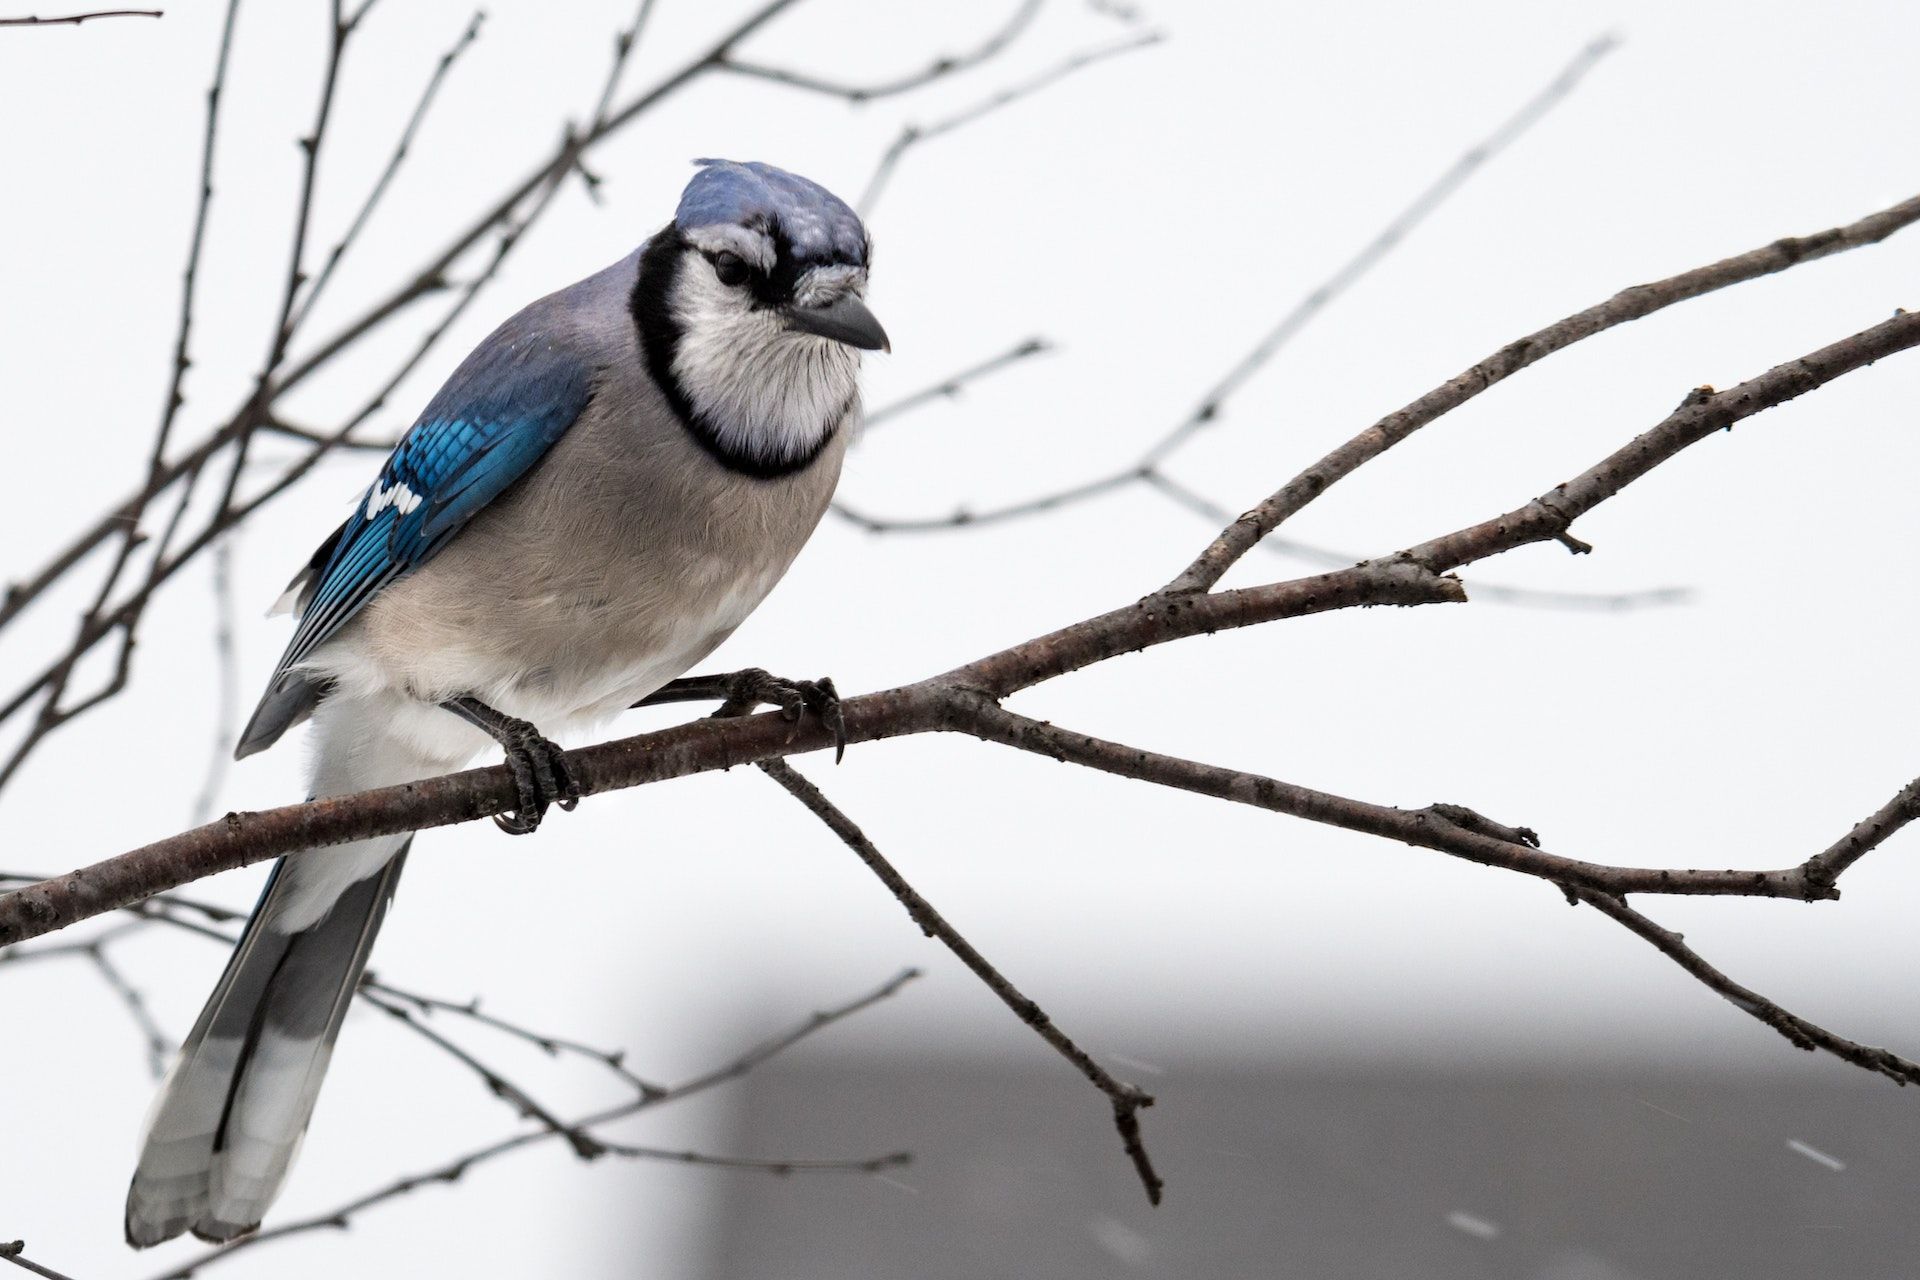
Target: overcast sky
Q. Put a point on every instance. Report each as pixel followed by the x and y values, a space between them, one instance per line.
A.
pixel 1152 215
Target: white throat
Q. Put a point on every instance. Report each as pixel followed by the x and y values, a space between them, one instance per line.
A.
pixel 765 391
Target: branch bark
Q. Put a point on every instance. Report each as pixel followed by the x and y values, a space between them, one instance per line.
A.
pixel 963 699
pixel 1799 1032
pixel 1627 305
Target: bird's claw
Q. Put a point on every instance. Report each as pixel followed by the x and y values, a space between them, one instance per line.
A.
pixel 794 698
pixel 824 701
pixel 541 778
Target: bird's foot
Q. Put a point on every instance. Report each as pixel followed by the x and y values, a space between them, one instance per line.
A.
pixel 741 691
pixel 541 776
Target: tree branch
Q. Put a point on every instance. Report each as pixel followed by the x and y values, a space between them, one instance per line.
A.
pixel 1825 867
pixel 457 1168
pixel 1444 828
pixel 614 1061
pixel 74 20
pixel 964 700
pixel 1629 304
pixel 914 135
pixel 1798 1031
pixel 241 839
pixel 1127 1099
pixel 14 1251
pixel 939 68
pixel 1213 402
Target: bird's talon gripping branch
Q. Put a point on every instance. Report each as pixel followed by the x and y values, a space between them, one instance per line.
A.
pixel 540 772
pixel 739 692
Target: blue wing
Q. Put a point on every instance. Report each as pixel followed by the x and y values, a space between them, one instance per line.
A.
pixel 497 416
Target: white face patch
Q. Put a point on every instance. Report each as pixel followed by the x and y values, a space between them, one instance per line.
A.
pixel 766 390
pixel 400 498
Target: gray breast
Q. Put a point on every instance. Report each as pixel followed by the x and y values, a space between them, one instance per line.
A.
pixel 626 556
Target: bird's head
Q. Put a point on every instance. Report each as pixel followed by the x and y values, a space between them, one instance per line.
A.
pixel 750 313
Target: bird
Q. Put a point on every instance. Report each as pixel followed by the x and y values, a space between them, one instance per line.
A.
pixel 598 496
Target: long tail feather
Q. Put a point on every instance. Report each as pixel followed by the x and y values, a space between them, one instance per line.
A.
pixel 229 1117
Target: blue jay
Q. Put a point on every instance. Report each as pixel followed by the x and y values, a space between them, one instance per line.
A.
pixel 606 488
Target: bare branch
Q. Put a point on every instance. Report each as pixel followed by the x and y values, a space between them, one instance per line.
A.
pixel 552 1046
pixel 1444 828
pixel 75 19
pixel 953 384
pixel 1127 1099
pixel 1414 576
pixel 1213 402
pixel 176 394
pixel 860 1164
pixel 584 1144
pixel 1703 412
pixel 1826 866
pixel 455 1169
pixel 159 1048
pixel 914 135
pixel 14 1251
pixel 399 155
pixel 1480 592
pixel 243 839
pixel 967 518
pixel 1627 305
pixel 226 713
pixel 940 68
pixel 1798 1031
pixel 623 45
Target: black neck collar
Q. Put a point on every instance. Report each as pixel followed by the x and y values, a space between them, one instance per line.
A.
pixel 660 332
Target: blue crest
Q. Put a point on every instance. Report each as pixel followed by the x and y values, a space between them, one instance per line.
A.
pixel 818 225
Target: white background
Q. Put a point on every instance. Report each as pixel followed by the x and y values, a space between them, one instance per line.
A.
pixel 1153 215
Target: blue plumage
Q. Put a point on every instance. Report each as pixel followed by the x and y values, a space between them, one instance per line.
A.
pixel 502 409
pixel 818 225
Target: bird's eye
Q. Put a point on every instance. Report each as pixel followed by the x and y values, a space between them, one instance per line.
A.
pixel 729 268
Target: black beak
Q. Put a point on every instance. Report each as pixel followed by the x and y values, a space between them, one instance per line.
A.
pixel 845 319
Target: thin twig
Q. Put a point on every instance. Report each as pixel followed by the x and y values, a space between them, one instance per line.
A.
pixel 552 1046
pixel 75 19
pixel 939 68
pixel 1826 866
pixel 1212 403
pixel 1799 1032
pixel 400 151
pixel 13 1251
pixel 623 45
pixel 953 384
pixel 859 1164
pixel 52 715
pixel 1480 592
pixel 226 712
pixel 584 1145
pixel 159 1047
pixel 913 135
pixel 1126 1099
pixel 1629 304
pixel 452 1171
